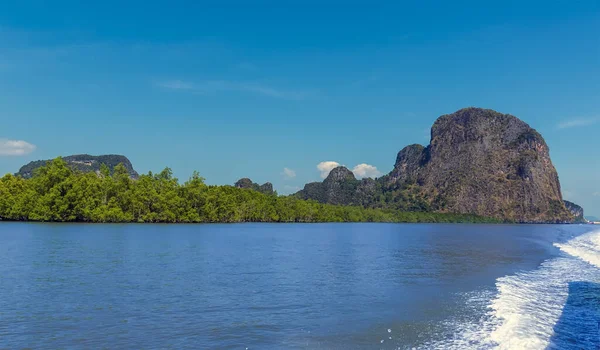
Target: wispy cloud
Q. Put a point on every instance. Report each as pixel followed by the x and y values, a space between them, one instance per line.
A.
pixel 216 86
pixel 577 122
pixel 26 49
pixel 288 173
pixel 596 194
pixel 15 147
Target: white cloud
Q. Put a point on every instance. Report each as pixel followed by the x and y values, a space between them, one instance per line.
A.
pixel 576 122
pixel 365 170
pixel 215 86
pixel 15 147
pixel 288 173
pixel 360 171
pixel 326 167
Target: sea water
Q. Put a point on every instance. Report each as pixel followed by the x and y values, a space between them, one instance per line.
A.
pixel 299 286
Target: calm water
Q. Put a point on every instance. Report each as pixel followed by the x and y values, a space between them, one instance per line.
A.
pixel 316 286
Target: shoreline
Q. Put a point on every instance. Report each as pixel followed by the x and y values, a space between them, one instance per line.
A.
pixel 292 222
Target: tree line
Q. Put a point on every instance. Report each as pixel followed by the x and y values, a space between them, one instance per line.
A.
pixel 58 193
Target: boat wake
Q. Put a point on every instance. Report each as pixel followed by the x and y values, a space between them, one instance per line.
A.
pixel 585 247
pixel 556 306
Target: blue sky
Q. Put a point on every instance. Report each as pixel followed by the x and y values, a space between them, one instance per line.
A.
pixel 238 90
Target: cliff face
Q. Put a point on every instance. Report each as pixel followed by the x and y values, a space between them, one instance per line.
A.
pixel 338 188
pixel 478 162
pixel 84 163
pixel 491 164
pixel 575 210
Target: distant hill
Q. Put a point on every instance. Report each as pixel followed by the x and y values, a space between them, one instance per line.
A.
pixel 592 218
pixel 266 188
pixel 478 162
pixel 576 210
pixel 84 163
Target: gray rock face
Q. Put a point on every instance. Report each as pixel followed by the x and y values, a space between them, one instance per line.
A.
pixel 408 164
pixel 338 188
pixel 575 210
pixel 84 163
pixel 266 188
pixel 340 174
pixel 491 164
pixel 245 183
pixel 478 162
pixel 366 192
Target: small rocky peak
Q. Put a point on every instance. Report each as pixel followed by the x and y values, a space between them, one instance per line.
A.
pixel 84 163
pixel 266 188
pixel 341 173
pixel 244 183
pixel 575 209
pixel 411 155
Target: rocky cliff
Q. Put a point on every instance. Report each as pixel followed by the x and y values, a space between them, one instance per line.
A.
pixel 83 163
pixel 341 187
pixel 575 210
pixel 266 188
pixel 478 162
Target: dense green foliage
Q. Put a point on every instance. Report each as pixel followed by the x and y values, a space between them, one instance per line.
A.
pixel 56 192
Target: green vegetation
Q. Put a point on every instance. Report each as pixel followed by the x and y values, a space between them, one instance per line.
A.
pixel 59 193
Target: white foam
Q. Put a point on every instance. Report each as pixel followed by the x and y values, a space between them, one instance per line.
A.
pixel 585 247
pixel 528 305
pixel 524 310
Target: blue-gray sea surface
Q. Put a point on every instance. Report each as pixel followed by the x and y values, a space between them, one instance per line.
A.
pixel 299 286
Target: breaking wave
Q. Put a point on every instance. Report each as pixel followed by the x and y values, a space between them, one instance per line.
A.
pixel 585 247
pixel 556 306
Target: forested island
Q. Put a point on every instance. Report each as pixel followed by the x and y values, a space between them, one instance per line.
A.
pixel 480 166
pixel 57 192
pixel 478 161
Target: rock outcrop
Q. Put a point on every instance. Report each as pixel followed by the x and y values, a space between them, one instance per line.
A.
pixel 84 163
pixel 338 188
pixel 266 188
pixel 478 162
pixel 342 188
pixel 575 210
